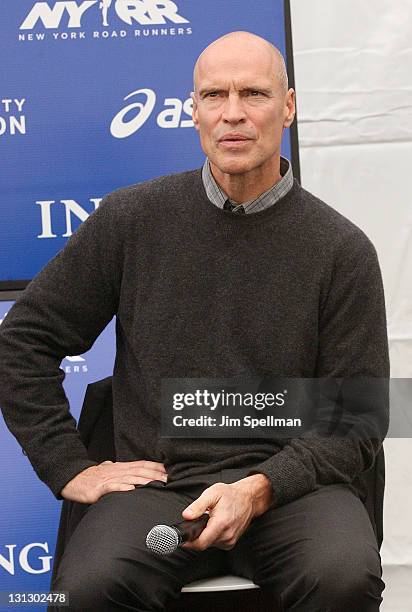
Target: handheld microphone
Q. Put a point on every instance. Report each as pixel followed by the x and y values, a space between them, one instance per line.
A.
pixel 165 539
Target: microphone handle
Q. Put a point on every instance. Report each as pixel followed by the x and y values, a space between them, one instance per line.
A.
pixel 190 530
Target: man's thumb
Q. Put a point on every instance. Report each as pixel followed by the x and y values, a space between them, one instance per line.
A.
pixel 195 510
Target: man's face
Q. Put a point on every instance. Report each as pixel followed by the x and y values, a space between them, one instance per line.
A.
pixel 239 107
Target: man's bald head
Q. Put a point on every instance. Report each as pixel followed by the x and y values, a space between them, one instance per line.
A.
pixel 241 105
pixel 240 43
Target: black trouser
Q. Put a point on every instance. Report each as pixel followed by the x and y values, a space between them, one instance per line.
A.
pixel 319 552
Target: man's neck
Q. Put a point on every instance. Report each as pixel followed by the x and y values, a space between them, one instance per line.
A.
pixel 242 188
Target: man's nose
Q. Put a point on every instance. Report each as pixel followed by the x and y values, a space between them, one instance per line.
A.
pixel 233 110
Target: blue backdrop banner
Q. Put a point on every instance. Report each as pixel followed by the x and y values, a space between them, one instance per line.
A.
pixel 95 96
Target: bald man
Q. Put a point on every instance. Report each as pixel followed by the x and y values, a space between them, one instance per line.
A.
pixel 224 270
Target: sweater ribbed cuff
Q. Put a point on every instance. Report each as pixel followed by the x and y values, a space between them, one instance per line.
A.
pixel 56 479
pixel 285 475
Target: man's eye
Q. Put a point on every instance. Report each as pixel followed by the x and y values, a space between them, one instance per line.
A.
pixel 255 93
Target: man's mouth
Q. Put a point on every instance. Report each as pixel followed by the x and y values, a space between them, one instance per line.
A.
pixel 234 138
pixel 234 141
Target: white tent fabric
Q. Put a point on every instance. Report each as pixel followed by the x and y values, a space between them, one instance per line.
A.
pixel 353 69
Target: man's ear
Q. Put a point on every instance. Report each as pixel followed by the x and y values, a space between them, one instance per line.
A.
pixel 290 108
pixel 194 111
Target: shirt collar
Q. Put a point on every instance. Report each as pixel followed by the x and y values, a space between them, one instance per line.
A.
pixel 218 197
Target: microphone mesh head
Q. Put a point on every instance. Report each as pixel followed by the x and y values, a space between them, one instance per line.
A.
pixel 162 540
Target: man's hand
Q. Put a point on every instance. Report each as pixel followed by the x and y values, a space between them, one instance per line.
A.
pixel 231 509
pixel 93 482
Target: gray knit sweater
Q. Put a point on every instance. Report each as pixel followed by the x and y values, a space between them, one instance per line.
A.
pixel 294 290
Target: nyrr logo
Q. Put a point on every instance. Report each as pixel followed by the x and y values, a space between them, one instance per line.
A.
pixel 69 13
pixel 75 365
pixel 131 118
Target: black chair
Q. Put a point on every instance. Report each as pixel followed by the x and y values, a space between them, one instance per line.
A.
pixel 96 430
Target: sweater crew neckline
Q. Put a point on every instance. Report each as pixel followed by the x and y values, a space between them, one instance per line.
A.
pixel 232 220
